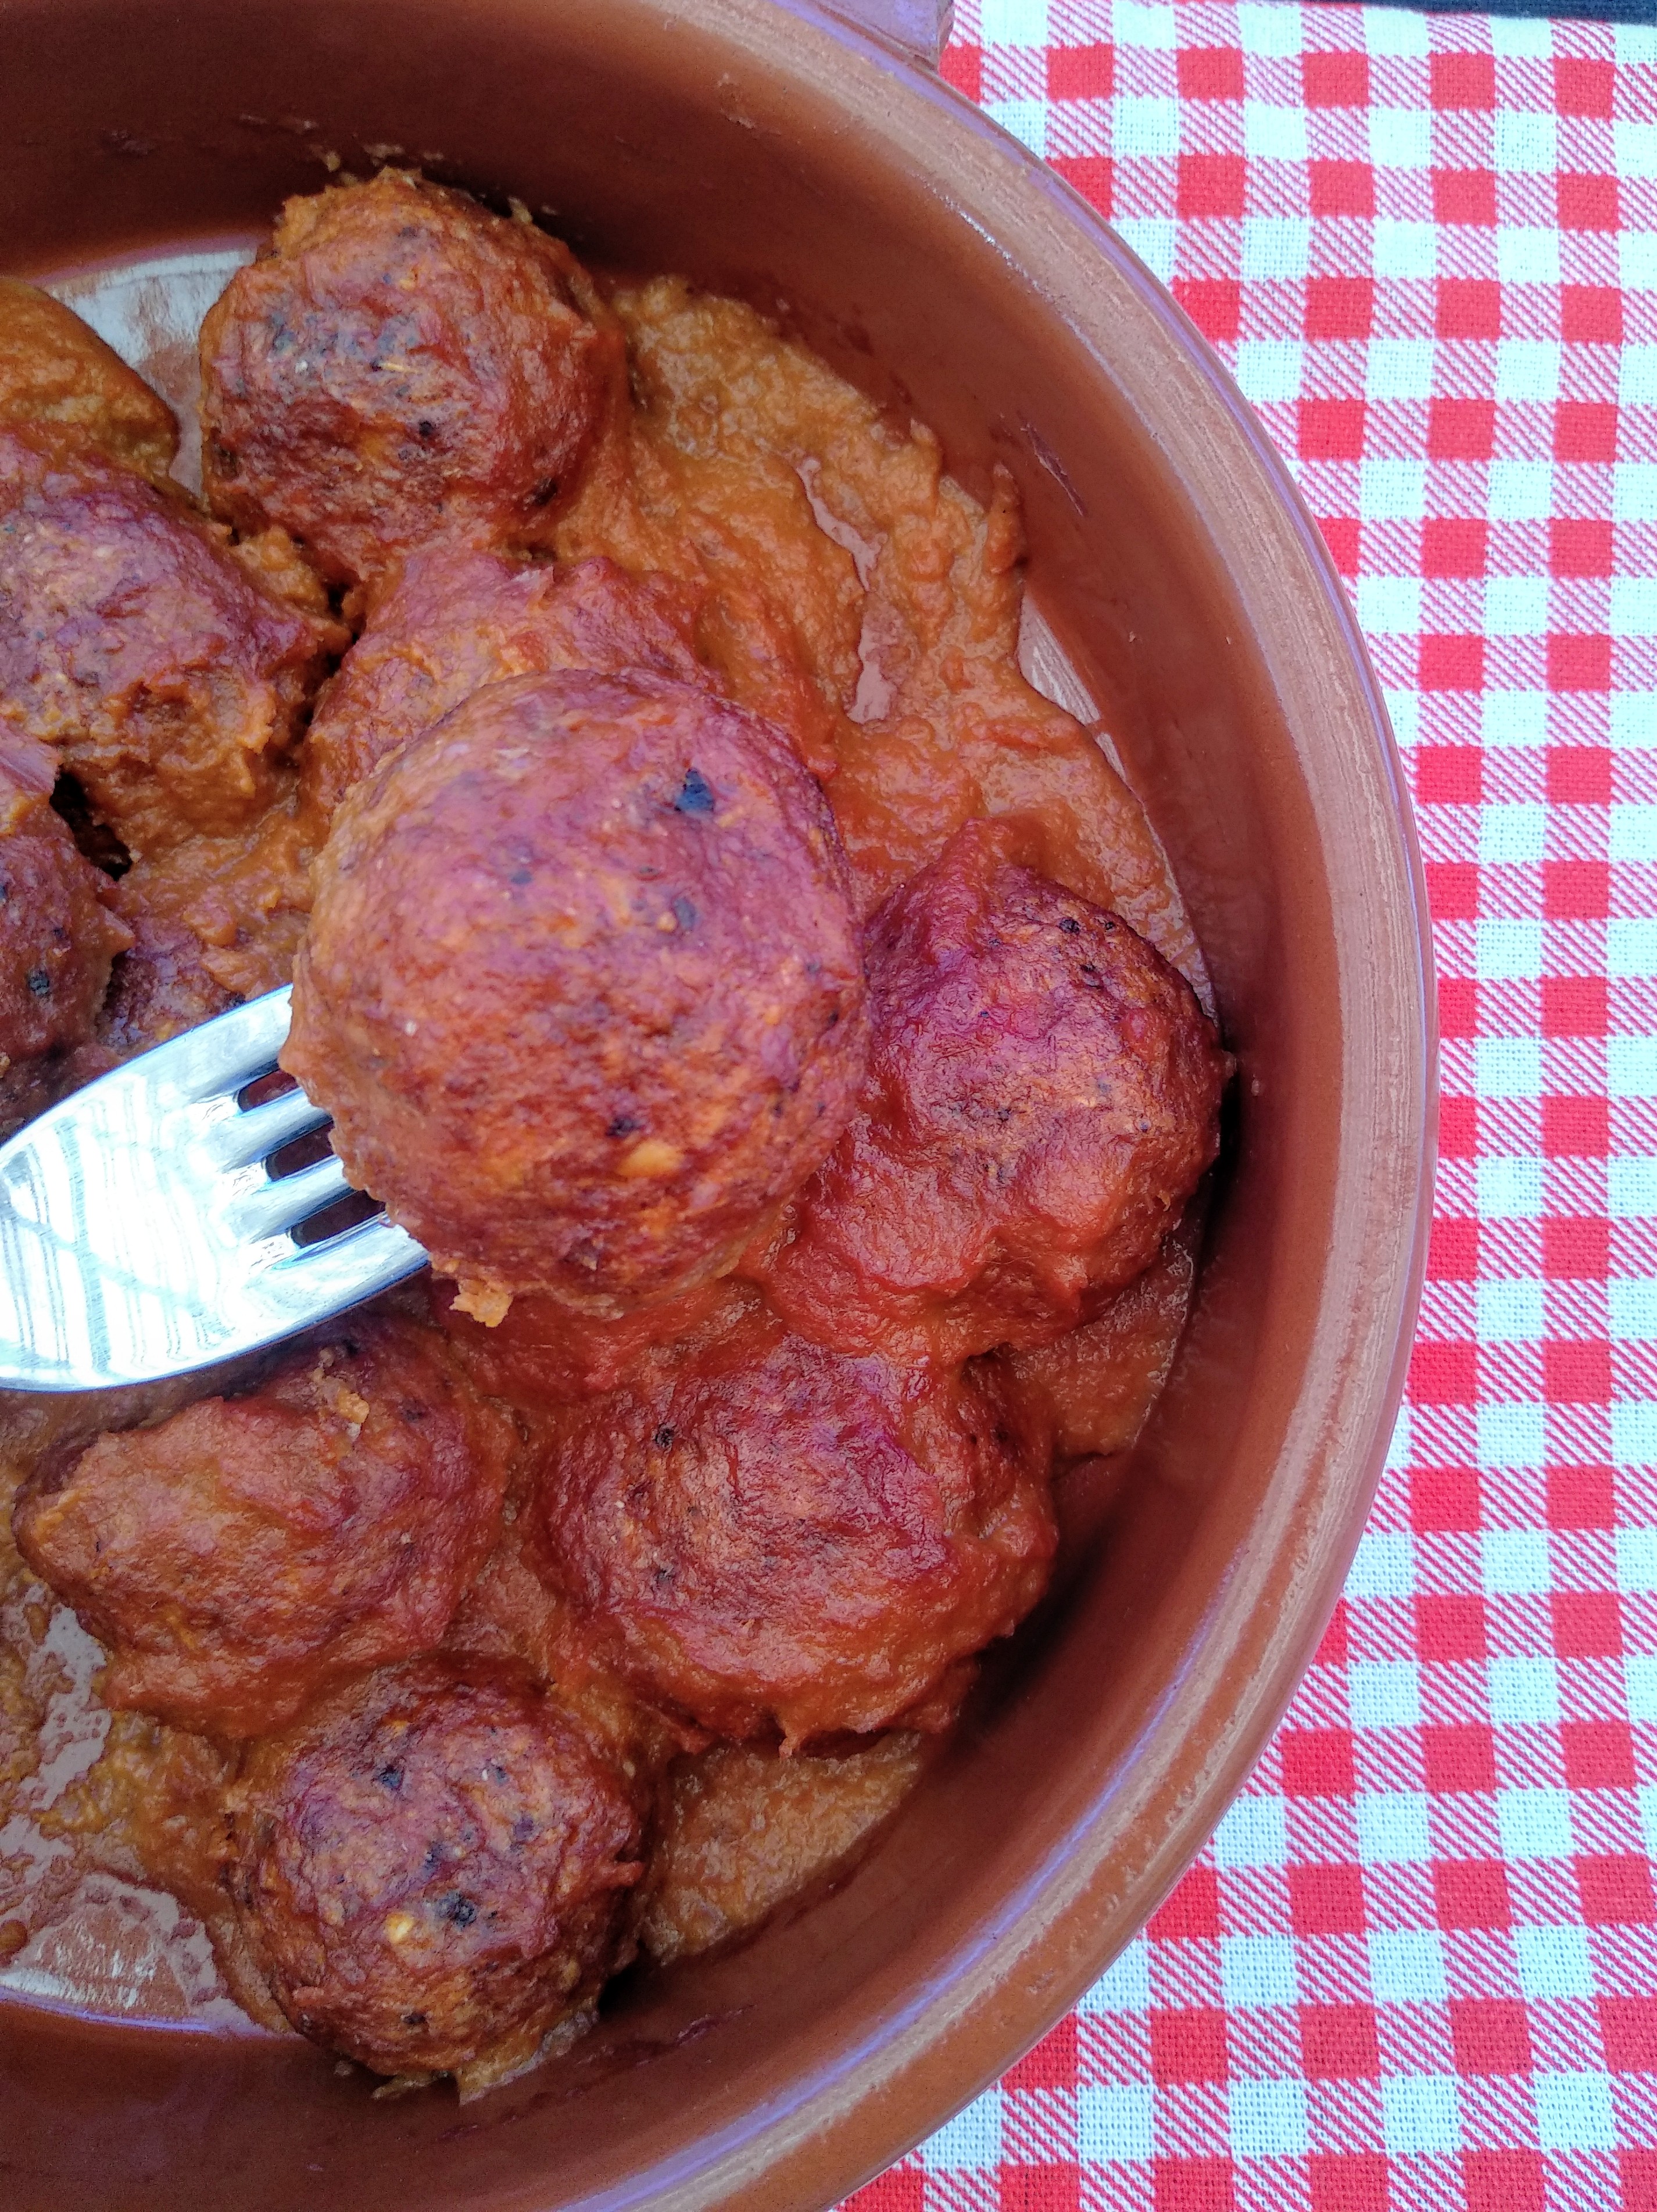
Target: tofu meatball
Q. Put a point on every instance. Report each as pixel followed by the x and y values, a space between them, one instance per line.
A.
pixel 58 937
pixel 582 990
pixel 57 374
pixel 770 1539
pixel 432 1867
pixel 401 363
pixel 131 643
pixel 249 1550
pixel 458 618
pixel 1043 1095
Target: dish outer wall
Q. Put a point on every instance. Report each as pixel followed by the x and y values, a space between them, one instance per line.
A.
pixel 779 152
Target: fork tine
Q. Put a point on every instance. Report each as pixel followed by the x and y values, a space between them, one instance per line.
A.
pixel 240 1139
pixel 286 1201
pixel 232 1050
pixel 358 1263
pixel 140 1236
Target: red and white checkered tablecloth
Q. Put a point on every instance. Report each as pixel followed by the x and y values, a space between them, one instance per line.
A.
pixel 1415 1970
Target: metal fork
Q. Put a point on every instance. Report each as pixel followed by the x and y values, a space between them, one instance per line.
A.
pixel 143 1233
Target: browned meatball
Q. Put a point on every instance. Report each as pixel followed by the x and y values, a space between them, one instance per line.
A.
pixel 1043 1094
pixel 250 1549
pixel 582 989
pixel 1095 1386
pixel 161 989
pixel 164 674
pixel 771 1537
pixel 401 362
pixel 459 617
pixel 431 1868
pixel 58 373
pixel 58 936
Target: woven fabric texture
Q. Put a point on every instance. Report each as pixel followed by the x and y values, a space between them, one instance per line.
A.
pixel 1415 1970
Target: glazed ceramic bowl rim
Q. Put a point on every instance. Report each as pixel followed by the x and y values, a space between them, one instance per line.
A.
pixel 855 2120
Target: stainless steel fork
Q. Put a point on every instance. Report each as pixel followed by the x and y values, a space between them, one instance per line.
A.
pixel 143 1234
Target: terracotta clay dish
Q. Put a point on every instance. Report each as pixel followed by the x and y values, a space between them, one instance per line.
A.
pixel 841 871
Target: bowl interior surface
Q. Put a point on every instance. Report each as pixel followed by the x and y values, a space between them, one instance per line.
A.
pixel 776 155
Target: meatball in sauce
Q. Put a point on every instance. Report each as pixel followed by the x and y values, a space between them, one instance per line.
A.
pixel 1043 1094
pixel 456 617
pixel 401 363
pixel 431 1868
pixel 774 1539
pixel 582 990
pixel 249 1550
pixel 164 672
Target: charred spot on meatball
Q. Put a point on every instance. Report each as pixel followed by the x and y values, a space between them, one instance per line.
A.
pixel 458 618
pixel 432 1866
pixel 1043 1096
pixel 400 364
pixel 576 1036
pixel 249 1550
pixel 774 1540
pixel 58 937
pixel 157 667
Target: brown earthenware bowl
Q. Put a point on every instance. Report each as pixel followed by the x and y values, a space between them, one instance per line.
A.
pixel 774 152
